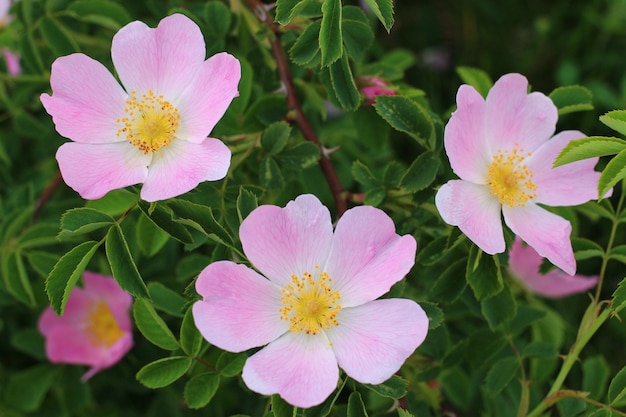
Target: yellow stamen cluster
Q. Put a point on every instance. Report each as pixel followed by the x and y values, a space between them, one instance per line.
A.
pixel 509 179
pixel 101 326
pixel 151 122
pixel 310 304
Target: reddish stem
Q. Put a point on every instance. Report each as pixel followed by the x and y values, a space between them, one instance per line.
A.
pixel 295 109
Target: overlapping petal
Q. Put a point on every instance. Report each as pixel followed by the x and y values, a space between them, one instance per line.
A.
pixel 373 340
pixel 281 242
pixel 300 368
pixel 240 308
pixel 93 170
pixel 546 232
pixel 470 207
pixel 367 256
pixel 102 287
pixel 86 100
pixel 182 165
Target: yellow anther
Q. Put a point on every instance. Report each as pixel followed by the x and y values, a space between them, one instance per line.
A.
pixel 509 179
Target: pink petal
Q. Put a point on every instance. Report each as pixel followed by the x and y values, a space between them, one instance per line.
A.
pixel 465 139
pixel 373 340
pixel 105 288
pixel 12 61
pixel 240 308
pixel 93 170
pixel 569 184
pixel 113 355
pixel 182 165
pixel 301 368
pixel 514 117
pixel 164 59
pixel 86 100
pixel 546 232
pixel 206 99
pixel 281 242
pixel 470 207
pixel 367 256
pixel 524 264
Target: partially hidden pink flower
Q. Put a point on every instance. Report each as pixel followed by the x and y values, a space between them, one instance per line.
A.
pixel 503 150
pixel 154 130
pixel 95 328
pixel 524 264
pixel 12 61
pixel 316 307
pixel 5 16
pixel 373 86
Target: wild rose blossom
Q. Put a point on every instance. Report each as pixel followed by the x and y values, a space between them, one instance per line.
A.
pixel 95 328
pixel 12 61
pixel 154 130
pixel 524 264
pixel 501 148
pixel 373 86
pixel 316 306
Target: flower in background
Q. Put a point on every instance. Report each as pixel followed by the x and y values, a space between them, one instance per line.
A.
pixel 373 86
pixel 503 150
pixel 5 17
pixel 12 61
pixel 152 131
pixel 524 264
pixel 316 309
pixel 95 328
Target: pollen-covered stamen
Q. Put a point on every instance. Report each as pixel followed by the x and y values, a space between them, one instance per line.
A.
pixel 310 304
pixel 101 326
pixel 509 179
pixel 151 122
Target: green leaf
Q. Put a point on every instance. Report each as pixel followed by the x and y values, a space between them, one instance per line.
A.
pixel 162 217
pixel 122 264
pixel 301 156
pixel 383 9
pixel 356 408
pixel 57 37
pixel 66 273
pixel 540 350
pixel 614 171
pixel 499 308
pixel 114 203
pixel 596 373
pixel 616 120
pixel 200 389
pixel 25 390
pixel 281 408
pixel 619 296
pixel 330 40
pixel 585 249
pixel 38 235
pixel 16 278
pixel 404 413
pixel 230 364
pixel 150 237
pixel 451 283
pixel 617 389
pixel 305 51
pixel 395 387
pixel 363 175
pixel 274 137
pixel 357 37
pixel 571 99
pixel 286 10
pixel 618 253
pixel 270 175
pixel 477 78
pixel 246 203
pixel 218 18
pixel 152 326
pixel 190 337
pixel 501 374
pixel 343 85
pixel 29 341
pixel 78 221
pixel 375 197
pixel 407 116
pixel 166 299
pixel 483 274
pixel 591 147
pixel 434 314
pixel 163 372
pixel 201 218
pixel 421 173
pixel 101 12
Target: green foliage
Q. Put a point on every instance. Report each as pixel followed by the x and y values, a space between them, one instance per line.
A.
pixel 572 98
pixel 152 327
pixel 163 372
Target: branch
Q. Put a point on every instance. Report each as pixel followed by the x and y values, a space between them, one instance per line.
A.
pixel 295 109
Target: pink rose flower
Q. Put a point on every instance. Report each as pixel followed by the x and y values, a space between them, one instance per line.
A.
pixel 12 61
pixel 95 328
pixel 372 87
pixel 152 131
pixel 524 264
pixel 5 17
pixel 316 306
pixel 503 150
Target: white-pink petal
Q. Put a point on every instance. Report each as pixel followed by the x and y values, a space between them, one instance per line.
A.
pixel 164 59
pixel 86 100
pixel 477 213
pixel 515 118
pixel 181 166
pixel 93 170
pixel 239 309
pixel 373 340
pixel 301 368
pixel 546 232
pixel 367 256
pixel 281 242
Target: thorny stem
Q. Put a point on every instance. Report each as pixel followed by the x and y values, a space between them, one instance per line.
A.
pixel 295 109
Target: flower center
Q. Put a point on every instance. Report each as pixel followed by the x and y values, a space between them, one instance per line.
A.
pixel 310 304
pixel 509 179
pixel 151 122
pixel 102 326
